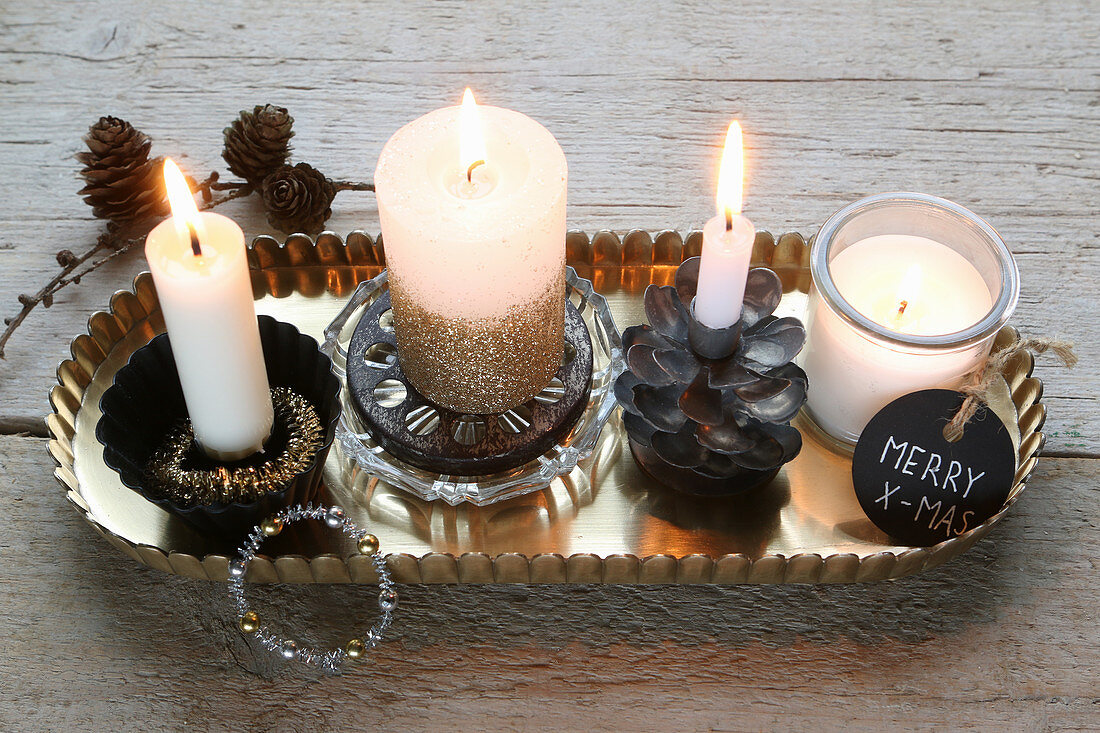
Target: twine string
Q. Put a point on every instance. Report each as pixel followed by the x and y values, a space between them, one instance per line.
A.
pixel 977 387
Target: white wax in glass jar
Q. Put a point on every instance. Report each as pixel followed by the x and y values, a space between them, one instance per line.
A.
pixel 852 373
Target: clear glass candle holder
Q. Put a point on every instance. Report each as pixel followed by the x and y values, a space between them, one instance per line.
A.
pixel 354 439
pixel 856 366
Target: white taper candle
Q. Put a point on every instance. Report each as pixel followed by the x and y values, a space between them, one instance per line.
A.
pixel 727 244
pixel 206 299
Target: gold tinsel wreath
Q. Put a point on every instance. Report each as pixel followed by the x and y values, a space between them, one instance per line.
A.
pixel 166 473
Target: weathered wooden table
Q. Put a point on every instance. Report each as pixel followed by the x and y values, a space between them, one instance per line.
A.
pixel 994 105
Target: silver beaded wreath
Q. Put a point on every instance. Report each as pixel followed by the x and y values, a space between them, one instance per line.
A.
pixel 249 621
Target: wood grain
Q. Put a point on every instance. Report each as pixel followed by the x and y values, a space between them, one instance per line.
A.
pixel 1003 636
pixel 991 104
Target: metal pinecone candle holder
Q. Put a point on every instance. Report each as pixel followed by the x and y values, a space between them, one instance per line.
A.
pixel 707 410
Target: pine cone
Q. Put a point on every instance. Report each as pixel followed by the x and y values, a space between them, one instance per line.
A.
pixel 258 142
pixel 722 420
pixel 298 199
pixel 123 184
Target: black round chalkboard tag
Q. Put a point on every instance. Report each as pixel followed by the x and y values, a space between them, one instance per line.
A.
pixel 916 486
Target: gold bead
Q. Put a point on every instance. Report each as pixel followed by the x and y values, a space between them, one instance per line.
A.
pixel 250 622
pixel 356 648
pixel 368 544
pixel 272 526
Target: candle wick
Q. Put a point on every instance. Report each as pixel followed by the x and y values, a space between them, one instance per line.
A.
pixel 902 306
pixel 470 170
pixel 195 248
pixel 729 220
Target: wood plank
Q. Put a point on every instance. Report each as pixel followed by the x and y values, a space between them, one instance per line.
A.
pixel 1001 637
pixel 989 104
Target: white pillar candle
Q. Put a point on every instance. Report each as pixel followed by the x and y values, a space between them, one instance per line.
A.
pixel 206 299
pixel 909 285
pixel 471 201
pixel 727 244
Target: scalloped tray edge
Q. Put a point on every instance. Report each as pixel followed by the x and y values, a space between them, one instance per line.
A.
pixel 605 248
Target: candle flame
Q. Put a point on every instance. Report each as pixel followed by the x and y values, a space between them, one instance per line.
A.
pixel 179 194
pixel 908 288
pixel 471 143
pixel 730 174
pixel 185 213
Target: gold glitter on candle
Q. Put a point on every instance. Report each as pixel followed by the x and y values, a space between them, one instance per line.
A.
pixel 482 365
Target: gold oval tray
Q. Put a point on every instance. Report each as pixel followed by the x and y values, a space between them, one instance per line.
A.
pixel 603 523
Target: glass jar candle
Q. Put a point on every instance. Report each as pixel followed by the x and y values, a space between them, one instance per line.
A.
pixel 908 293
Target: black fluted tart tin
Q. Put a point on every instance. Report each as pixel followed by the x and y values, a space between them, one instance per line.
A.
pixel 145 402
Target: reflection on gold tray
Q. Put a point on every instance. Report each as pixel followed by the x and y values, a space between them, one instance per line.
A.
pixel 603 523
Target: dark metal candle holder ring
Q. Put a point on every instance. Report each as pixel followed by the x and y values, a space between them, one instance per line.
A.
pixel 423 434
pixel 707 410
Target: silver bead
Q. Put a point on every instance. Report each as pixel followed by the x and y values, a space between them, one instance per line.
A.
pixel 289 650
pixel 334 517
pixel 387 600
pixel 236 568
